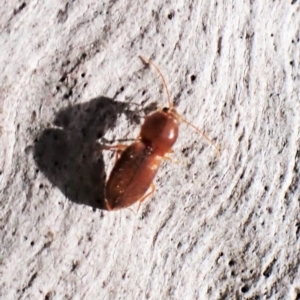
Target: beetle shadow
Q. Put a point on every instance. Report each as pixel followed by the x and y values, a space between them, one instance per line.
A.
pixel 67 154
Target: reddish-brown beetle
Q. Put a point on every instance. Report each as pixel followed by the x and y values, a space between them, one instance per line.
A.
pixel 134 171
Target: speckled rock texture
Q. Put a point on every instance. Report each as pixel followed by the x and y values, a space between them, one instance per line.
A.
pixel 223 227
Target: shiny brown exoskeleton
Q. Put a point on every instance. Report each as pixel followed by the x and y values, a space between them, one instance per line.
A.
pixel 134 171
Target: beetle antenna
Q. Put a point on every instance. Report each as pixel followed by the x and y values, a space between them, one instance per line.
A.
pixel 178 116
pixel 181 119
pixel 149 61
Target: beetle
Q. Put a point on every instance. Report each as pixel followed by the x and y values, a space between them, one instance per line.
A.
pixel 135 169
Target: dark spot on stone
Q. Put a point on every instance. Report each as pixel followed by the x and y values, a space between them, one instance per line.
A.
pixel 231 263
pixel 245 289
pixel 170 15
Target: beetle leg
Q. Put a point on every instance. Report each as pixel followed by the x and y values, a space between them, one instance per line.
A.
pixel 173 160
pixel 108 206
pixel 119 148
pixel 167 158
pixel 147 195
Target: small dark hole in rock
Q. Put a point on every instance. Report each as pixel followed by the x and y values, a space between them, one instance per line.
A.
pixel 170 15
pixel 22 6
pixel 245 289
pixel 63 78
pixel 231 263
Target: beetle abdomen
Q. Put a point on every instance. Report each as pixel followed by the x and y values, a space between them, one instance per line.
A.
pixel 131 176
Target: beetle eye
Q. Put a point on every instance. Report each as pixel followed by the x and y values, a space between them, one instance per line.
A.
pixel 165 109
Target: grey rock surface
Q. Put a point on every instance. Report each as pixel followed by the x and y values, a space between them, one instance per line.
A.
pixel 215 228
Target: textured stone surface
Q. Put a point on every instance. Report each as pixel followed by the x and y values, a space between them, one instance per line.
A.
pixel 226 228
